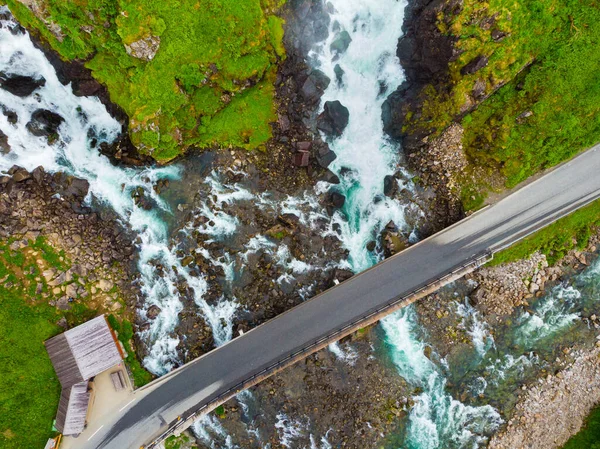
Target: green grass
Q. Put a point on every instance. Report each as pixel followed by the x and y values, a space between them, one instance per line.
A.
pixel 50 255
pixel 223 49
pixel 589 436
pixel 125 331
pixel 548 66
pixel 29 388
pixel 570 232
pixel 174 442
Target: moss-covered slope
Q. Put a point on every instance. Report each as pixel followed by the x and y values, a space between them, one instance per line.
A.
pixel 187 72
pixel 524 83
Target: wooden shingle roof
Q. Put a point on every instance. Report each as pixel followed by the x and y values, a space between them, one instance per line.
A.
pixel 72 409
pixel 78 355
pixel 83 352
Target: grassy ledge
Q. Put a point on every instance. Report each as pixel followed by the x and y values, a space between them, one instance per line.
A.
pixel 541 84
pixel 570 232
pixel 29 388
pixel 210 81
pixel 589 436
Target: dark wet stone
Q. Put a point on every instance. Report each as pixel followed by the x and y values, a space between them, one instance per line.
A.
pixel 326 158
pixel 390 186
pixel 476 64
pixel 336 199
pixel 330 177
pixel 19 85
pixel 334 119
pixel 4 146
pixel 342 275
pixel 44 123
pixel 290 220
pixel 314 86
pixel 339 74
pixel 11 116
pixel 371 245
pixel 341 43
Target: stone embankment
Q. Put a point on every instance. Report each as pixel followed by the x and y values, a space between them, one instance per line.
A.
pixel 555 408
pixel 97 261
pixel 320 397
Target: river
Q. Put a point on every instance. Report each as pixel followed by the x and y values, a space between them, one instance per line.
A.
pixel 370 71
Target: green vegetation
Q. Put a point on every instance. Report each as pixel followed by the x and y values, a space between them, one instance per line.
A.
pixel 125 332
pixel 220 411
pixel 210 81
pixel 543 78
pixel 570 232
pixel 55 259
pixel 174 442
pixel 29 388
pixel 589 436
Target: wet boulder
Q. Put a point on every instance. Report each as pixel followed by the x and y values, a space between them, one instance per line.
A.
pixel 330 177
pixel 390 186
pixel 334 119
pixel 339 74
pixel 474 65
pixel 341 275
pixel 289 220
pixel 335 200
pixel 341 43
pixel 21 175
pixel 19 85
pixel 314 86
pixel 324 155
pixel 152 312
pixel 4 145
pixel 392 240
pixel 44 123
pixel 11 116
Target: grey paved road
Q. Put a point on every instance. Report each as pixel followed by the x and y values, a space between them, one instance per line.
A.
pixel 540 203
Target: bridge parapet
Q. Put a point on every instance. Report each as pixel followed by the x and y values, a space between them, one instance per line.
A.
pixel 183 422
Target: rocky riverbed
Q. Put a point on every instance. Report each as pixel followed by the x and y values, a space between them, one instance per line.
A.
pixel 40 205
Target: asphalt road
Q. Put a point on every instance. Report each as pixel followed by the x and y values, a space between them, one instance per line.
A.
pixel 538 204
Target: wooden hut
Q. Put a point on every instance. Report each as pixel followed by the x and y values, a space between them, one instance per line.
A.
pixel 78 355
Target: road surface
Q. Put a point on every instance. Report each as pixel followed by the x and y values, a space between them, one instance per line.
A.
pixel 201 381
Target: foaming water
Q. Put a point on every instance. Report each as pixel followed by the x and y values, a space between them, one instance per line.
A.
pixel 436 420
pixel 87 124
pixel 475 328
pixel 365 155
pixel 550 315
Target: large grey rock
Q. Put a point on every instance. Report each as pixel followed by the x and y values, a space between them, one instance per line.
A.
pixel 145 48
pixel 19 85
pixel 341 43
pixel 314 86
pixel 334 119
pixel 44 123
pixel 476 64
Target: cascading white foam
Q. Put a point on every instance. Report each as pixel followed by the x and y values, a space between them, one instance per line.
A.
pixel 436 420
pixel 365 155
pixel 475 327
pixel 86 119
pixel 551 314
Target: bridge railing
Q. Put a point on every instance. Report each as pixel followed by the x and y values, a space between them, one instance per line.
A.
pixel 339 333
